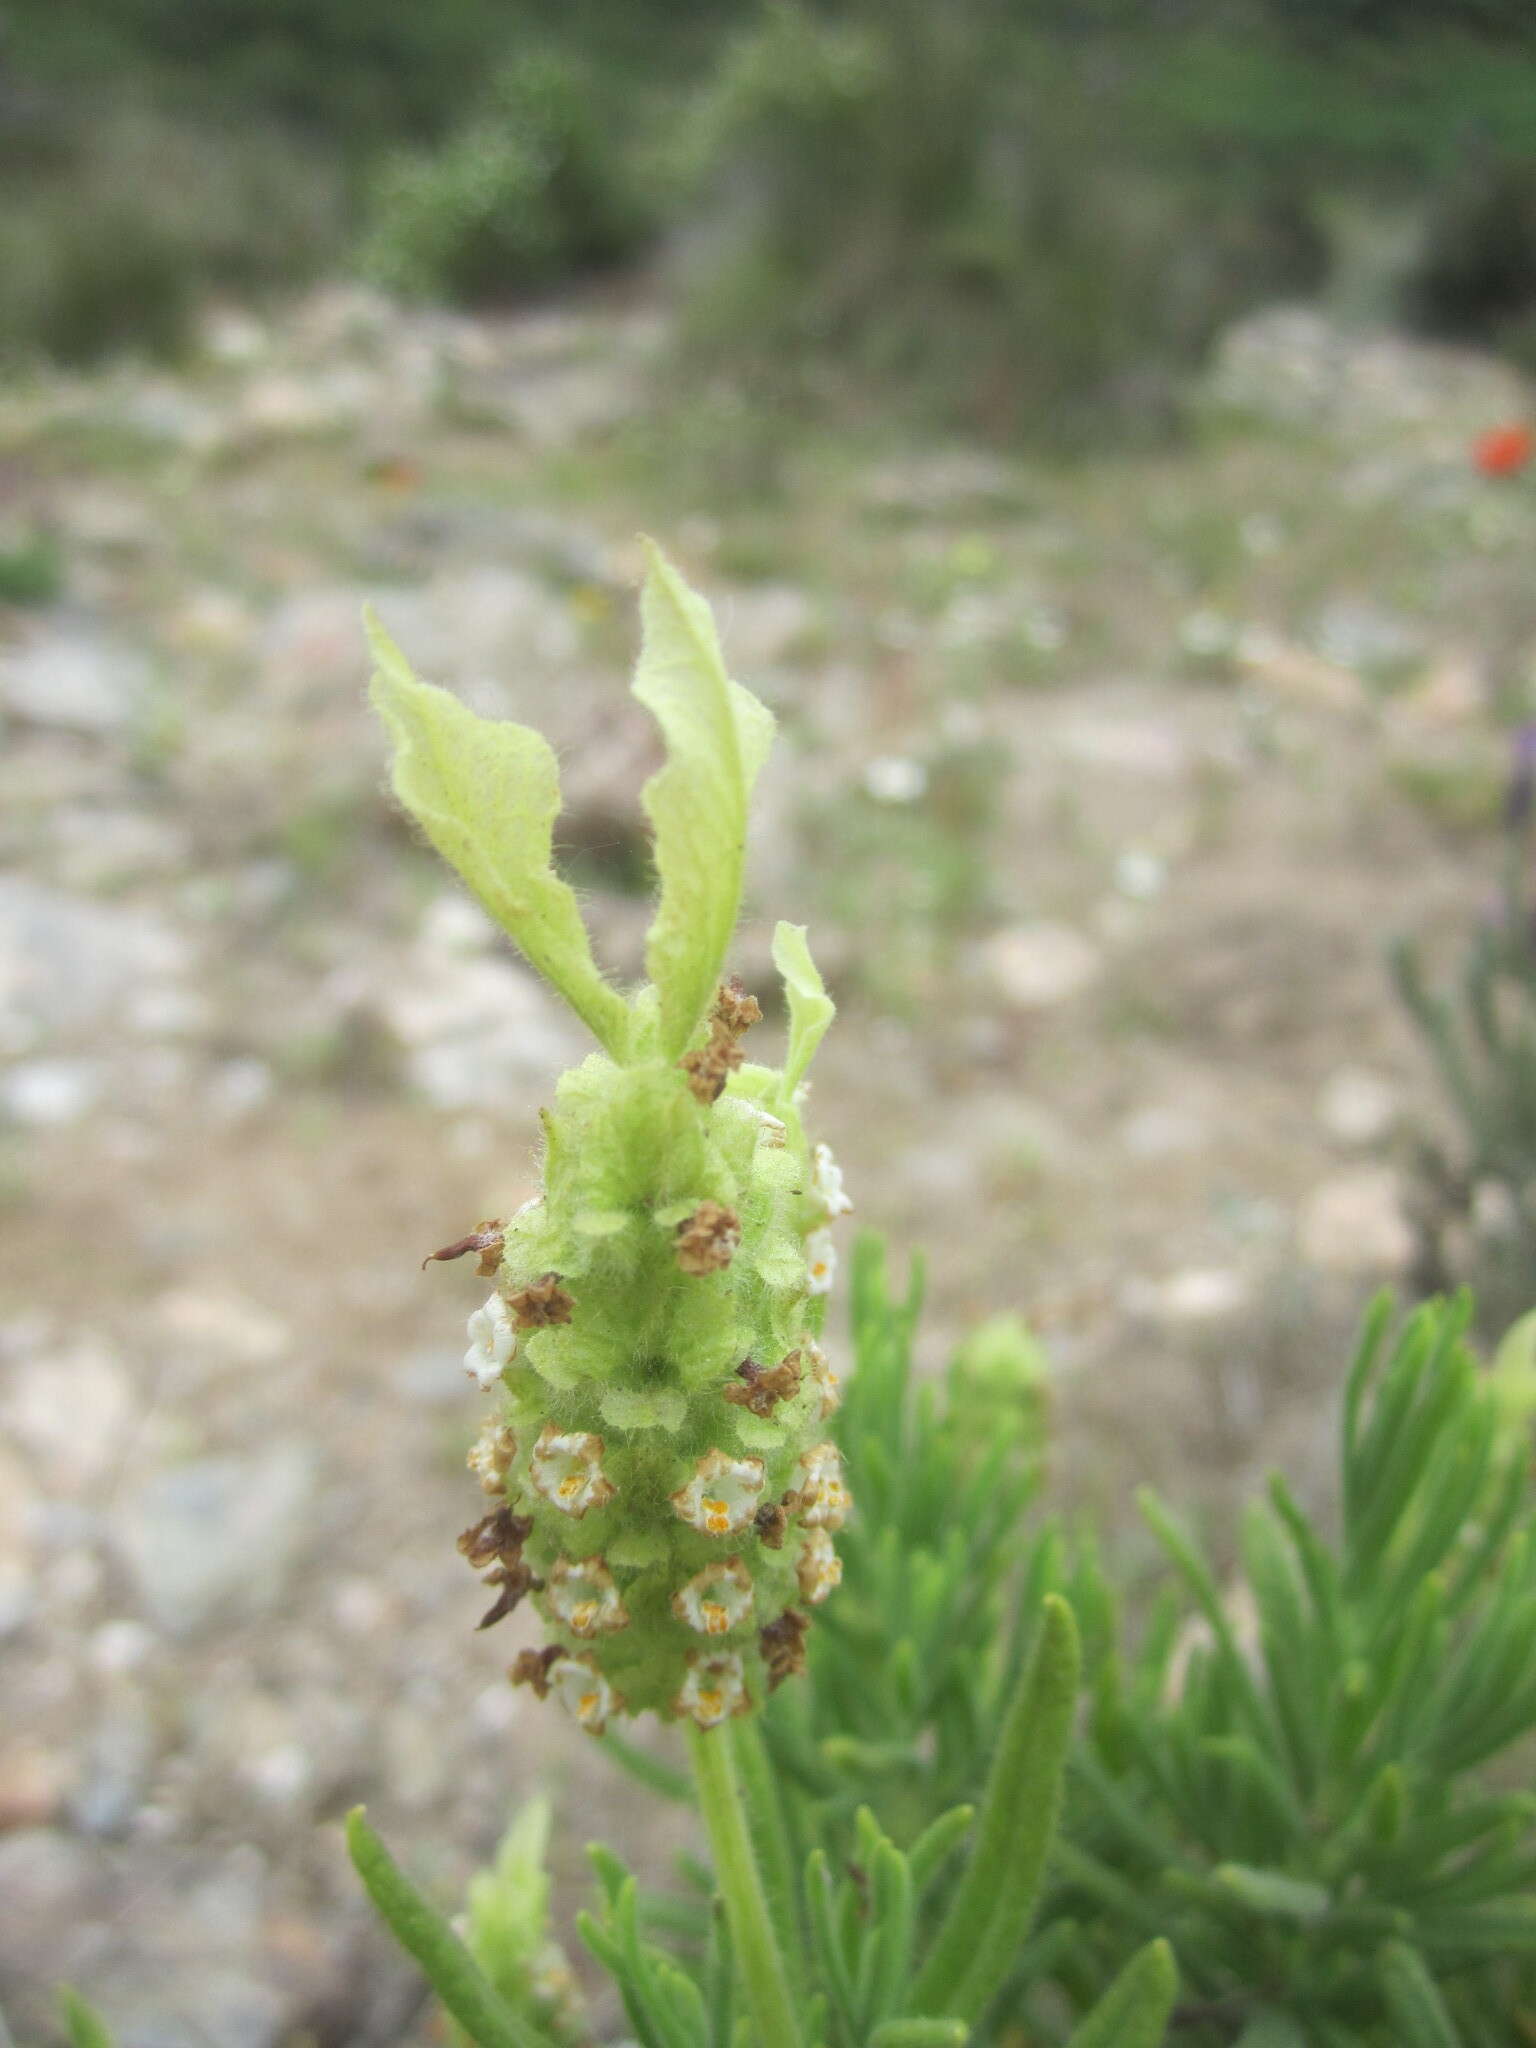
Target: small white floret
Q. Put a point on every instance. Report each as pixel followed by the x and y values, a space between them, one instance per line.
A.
pixel 819 1568
pixel 717 1599
pixel 492 1342
pixel 583 1692
pixel 820 1262
pixel 714 1689
pixel 722 1494
pixel 567 1469
pixel 583 1595
pixel 824 1499
pixel 827 1183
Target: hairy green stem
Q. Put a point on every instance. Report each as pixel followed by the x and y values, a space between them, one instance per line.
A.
pixel 741 1886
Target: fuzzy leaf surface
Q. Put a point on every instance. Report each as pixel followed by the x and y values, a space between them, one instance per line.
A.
pixel 811 1009
pixel 717 736
pixel 486 792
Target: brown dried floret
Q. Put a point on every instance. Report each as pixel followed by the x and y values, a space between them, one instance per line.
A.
pixel 707 1240
pixel 783 1646
pixel 514 1580
pixel 709 1066
pixel 734 1009
pixel 762 1387
pixel 540 1303
pixel 497 1539
pixel 771 1523
pixel 486 1239
pixel 491 1454
pixel 531 1667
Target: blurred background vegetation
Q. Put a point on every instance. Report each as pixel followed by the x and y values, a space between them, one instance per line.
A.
pixel 1029 215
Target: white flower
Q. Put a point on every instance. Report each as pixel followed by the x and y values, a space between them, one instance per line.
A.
pixel 583 1596
pixel 583 1692
pixel 822 1377
pixel 827 1183
pixel 824 1500
pixel 567 1469
pixel 491 1454
pixel 820 1261
pixel 714 1689
pixel 722 1494
pixel 492 1342
pixel 716 1599
pixel 819 1568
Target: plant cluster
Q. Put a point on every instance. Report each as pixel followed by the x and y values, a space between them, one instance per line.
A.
pixel 533 188
pixel 987 1798
pixel 1478 1192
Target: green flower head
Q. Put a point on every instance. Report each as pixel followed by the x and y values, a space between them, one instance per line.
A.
pixel 658 1473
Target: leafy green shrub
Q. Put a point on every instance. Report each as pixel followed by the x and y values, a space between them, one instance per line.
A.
pixel 533 188
pixel 928 193
pixel 1477 1191
pixel 110 238
pixel 1475 275
pixel 1304 1781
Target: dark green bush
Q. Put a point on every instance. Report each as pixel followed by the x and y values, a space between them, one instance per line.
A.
pixel 931 194
pixel 535 187
pixel 109 238
pixel 1475 275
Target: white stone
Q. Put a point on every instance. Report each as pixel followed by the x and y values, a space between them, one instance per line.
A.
pixel 1203 1294
pixel 76 679
pixel 216 1538
pixel 1354 1224
pixel 1358 1107
pixel 230 1327
pixel 1161 1131
pixel 1037 965
pixel 72 1409
pixel 895 779
pixel 50 1092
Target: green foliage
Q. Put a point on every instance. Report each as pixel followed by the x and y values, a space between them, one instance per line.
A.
pixel 1480 1033
pixel 532 188
pixel 931 195
pixel 82 2023
pixel 487 794
pixel 31 569
pixel 112 231
pixel 1474 277
pixel 508 1933
pixel 916 1656
pixel 1296 1807
pixel 718 736
pixel 811 1009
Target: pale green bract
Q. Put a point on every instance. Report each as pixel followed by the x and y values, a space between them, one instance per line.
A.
pixel 718 736
pixel 487 794
pixel 811 1009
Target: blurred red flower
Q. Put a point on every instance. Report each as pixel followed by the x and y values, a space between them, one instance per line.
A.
pixel 1504 451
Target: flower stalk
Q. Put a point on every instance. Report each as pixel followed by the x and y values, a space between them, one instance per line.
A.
pixel 753 1939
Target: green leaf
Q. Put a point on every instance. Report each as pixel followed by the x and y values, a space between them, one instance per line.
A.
pixel 83 2024
pixel 1273 1894
pixel 811 1009
pixel 1272 2030
pixel 1134 2011
pixel 1418 2015
pixel 486 793
pixel 920 2034
pixel 718 737
pixel 995 1899
pixel 427 1938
